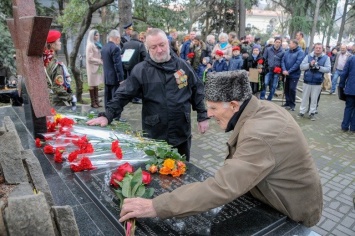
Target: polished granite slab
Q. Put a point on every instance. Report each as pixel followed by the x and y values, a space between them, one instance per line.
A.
pixel 95 205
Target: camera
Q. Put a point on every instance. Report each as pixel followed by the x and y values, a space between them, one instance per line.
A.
pixel 315 66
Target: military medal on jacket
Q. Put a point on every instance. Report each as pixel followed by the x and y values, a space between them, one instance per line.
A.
pixel 181 78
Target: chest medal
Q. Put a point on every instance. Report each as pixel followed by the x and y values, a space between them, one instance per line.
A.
pixel 181 78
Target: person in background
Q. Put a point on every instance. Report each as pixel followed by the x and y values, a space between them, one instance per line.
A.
pixel 174 46
pixel 333 56
pixel 246 46
pixel 236 62
pixel 314 66
pixel 170 90
pixel 185 48
pixel 232 39
pixel 10 81
pixel 290 65
pixel 268 156
pixel 347 82
pixel 204 68
pixel 301 41
pixel 94 66
pixel 222 46
pixel 141 37
pixel 58 77
pixel 173 34
pixel 273 57
pixel 220 63
pixel 256 61
pixel 285 46
pixel 113 68
pixel 210 43
pixel 339 64
pixel 139 54
pixel 197 52
pixel 127 34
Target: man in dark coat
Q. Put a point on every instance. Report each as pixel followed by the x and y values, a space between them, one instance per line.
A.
pixel 169 87
pixel 290 64
pixel 113 70
pixel 137 52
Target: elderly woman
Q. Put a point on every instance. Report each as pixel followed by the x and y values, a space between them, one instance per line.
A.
pixel 58 77
pixel 223 46
pixel 94 66
pixel 197 52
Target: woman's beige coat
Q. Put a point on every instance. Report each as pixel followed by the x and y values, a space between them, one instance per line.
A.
pixel 93 61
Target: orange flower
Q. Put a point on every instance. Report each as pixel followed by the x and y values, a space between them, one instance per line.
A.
pixel 182 170
pixel 181 164
pixel 153 168
pixel 169 163
pixel 164 170
pixel 175 173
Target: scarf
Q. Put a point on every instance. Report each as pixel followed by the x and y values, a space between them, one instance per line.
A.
pixel 223 45
pixel 98 45
pixel 233 121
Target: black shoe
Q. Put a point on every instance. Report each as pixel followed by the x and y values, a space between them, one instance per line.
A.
pixel 120 119
pixel 292 109
pixel 137 101
pixel 285 105
pixel 311 117
pixel 300 115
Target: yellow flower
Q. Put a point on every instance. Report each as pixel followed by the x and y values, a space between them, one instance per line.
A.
pixel 169 163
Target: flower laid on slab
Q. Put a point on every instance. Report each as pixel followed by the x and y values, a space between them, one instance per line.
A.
pixel 83 164
pixel 165 160
pixel 116 148
pixel 128 184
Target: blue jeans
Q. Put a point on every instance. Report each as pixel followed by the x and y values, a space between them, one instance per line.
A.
pixel 349 114
pixel 335 77
pixel 271 80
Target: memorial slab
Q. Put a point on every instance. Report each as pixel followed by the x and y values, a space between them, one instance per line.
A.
pixel 244 216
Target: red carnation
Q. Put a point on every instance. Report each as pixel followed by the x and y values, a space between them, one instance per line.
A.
pixel 260 61
pixel 58 156
pixel 73 155
pixel 115 144
pixel 48 149
pixel 146 177
pixel 38 142
pixel 118 153
pixel 191 55
pixel 277 70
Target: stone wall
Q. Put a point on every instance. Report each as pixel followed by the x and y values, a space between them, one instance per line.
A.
pixel 29 209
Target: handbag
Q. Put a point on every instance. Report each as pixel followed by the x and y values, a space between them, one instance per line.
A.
pixel 341 94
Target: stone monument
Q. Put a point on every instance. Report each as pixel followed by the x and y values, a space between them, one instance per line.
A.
pixel 29 33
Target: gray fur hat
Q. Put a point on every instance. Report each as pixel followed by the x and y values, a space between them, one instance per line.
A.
pixel 227 86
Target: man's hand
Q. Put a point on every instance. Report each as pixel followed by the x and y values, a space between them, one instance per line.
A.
pixel 102 121
pixel 285 72
pixel 203 126
pixel 137 208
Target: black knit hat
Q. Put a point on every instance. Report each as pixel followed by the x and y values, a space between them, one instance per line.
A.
pixel 227 86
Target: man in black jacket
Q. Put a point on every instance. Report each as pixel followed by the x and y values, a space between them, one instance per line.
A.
pixel 133 52
pixel 113 70
pixel 169 87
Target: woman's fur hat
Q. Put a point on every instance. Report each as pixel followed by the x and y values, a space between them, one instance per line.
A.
pixel 227 86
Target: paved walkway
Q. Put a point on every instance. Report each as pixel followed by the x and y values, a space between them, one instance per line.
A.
pixel 332 149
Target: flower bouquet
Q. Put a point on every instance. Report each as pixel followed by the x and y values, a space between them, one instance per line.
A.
pixel 130 184
pixel 165 160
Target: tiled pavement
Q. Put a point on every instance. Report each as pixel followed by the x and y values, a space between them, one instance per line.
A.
pixel 332 149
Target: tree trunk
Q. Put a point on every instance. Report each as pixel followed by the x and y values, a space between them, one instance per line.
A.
pixel 84 26
pixel 315 20
pixel 343 18
pixel 236 10
pixel 330 27
pixel 242 15
pixel 125 13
